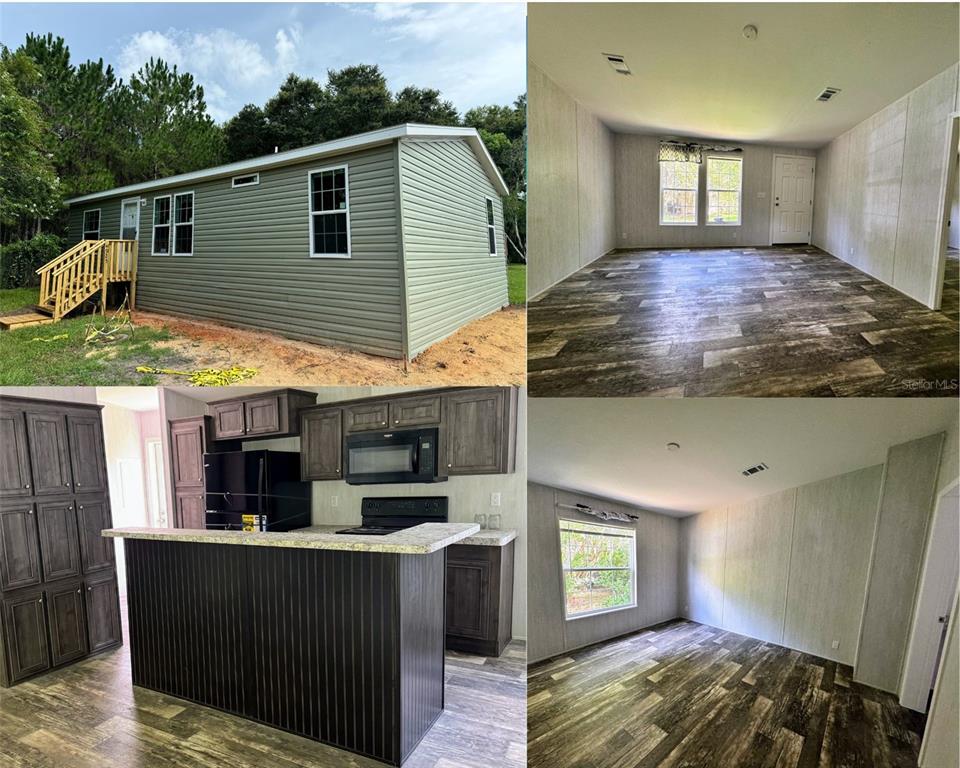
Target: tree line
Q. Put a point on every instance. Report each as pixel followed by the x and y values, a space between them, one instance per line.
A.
pixel 67 130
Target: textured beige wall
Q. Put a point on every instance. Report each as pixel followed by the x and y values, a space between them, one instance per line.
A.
pixel 657 575
pixel 570 183
pixel 877 196
pixel 638 198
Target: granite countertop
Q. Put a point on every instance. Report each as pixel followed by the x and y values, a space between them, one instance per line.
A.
pixel 490 538
pixel 418 540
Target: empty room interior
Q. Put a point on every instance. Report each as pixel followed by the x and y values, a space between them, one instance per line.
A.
pixel 743 199
pixel 716 583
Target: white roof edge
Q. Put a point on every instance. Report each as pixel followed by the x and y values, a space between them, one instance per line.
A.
pixel 336 146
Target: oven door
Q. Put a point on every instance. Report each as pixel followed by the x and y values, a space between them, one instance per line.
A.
pixel 386 457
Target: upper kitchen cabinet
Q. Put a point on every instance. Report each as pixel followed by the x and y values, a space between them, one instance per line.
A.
pixel 479 431
pixel 366 417
pixel 188 443
pixel 86 453
pixel 321 444
pixel 269 414
pixel 15 478
pixel 415 411
pixel 49 452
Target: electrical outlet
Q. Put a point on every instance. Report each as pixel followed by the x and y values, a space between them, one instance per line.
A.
pixel 334 501
pixel 835 644
pixel 494 499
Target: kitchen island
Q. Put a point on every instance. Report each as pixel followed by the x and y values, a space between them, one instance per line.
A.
pixel 338 638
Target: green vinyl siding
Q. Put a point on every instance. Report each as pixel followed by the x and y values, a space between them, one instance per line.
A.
pixel 451 277
pixel 109 220
pixel 251 263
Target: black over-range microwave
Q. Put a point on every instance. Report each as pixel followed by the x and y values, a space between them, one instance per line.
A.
pixel 401 456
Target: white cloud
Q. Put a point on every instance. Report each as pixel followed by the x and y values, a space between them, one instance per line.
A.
pixel 288 41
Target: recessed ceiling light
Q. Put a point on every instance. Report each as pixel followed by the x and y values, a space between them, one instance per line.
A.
pixel 616 61
pixel 750 32
pixel 673 447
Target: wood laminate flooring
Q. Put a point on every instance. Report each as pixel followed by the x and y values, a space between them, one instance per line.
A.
pixel 685 694
pixel 763 322
pixel 90 716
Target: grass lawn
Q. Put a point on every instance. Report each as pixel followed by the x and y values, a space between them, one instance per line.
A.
pixel 68 361
pixel 517 283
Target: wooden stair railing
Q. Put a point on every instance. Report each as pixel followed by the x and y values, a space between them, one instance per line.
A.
pixel 83 270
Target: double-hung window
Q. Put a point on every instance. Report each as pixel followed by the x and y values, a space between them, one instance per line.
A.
pixel 599 567
pixel 91 224
pixel 724 189
pixel 161 226
pixel 329 213
pixel 183 224
pixel 679 186
pixel 491 228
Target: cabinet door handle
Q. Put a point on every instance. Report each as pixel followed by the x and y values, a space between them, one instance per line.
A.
pixel 78 485
pixel 449 466
pixel 29 511
pixel 81 507
pixel 27 485
pixel 78 590
pixel 89 589
pixel 40 601
pixel 66 485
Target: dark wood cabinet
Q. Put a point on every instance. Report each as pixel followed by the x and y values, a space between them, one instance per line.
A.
pixel 49 452
pixel 93 516
pixel 15 479
pixel 19 546
pixel 321 444
pixel 59 543
pixel 415 411
pixel 270 414
pixel 187 445
pixel 51 549
pixel 25 633
pixel 478 431
pixel 191 510
pixel 479 598
pixel 68 630
pixel 366 417
pixel 86 453
pixel 103 613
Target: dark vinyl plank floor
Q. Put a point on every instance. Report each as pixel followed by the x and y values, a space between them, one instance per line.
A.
pixel 685 694
pixel 90 716
pixel 761 322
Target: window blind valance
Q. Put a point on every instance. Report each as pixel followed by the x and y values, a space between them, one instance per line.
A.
pixel 690 152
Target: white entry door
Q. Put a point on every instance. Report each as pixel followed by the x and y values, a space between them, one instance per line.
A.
pixel 792 199
pixel 130 219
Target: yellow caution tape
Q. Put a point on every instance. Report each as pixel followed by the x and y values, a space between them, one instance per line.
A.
pixel 52 338
pixel 207 377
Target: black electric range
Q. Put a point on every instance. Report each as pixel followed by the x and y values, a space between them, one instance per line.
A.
pixel 384 515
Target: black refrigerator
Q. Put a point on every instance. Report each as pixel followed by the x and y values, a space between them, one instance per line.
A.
pixel 256 491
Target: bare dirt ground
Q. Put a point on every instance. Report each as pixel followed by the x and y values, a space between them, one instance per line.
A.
pixel 491 350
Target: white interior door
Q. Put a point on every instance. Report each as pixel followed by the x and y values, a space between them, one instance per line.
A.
pixel 938 585
pixel 130 219
pixel 792 199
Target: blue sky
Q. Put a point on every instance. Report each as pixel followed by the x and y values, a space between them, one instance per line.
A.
pixel 474 53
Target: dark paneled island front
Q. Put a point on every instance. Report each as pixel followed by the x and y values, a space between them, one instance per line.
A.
pixel 339 638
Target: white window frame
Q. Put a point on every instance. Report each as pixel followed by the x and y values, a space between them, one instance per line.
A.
pixel 696 197
pixel 174 225
pixel 631 534
pixel 255 182
pixel 706 189
pixel 154 225
pixel 83 223
pixel 311 213
pixel 491 228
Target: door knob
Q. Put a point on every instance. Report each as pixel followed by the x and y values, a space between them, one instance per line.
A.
pixel 943 619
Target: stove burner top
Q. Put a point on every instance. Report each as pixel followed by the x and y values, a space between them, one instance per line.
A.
pixel 369 530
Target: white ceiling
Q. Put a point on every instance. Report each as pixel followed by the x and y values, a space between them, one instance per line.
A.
pixel 616 448
pixel 131 398
pixel 694 74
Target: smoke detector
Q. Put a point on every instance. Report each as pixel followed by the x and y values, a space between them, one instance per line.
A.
pixel 749 471
pixel 616 61
pixel 828 93
pixel 750 32
pixel 672 447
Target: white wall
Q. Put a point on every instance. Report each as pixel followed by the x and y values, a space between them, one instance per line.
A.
pixel 953 234
pixel 941 745
pixel 657 575
pixel 570 208
pixel 638 198
pixel 877 197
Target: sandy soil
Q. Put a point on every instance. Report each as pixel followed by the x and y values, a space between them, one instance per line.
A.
pixel 491 350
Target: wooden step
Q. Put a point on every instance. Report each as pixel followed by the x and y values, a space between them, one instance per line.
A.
pixel 45 309
pixel 12 322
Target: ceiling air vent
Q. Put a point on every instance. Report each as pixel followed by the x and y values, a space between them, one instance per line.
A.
pixel 754 469
pixel 828 93
pixel 616 61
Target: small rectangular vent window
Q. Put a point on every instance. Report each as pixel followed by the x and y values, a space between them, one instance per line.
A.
pixel 616 61
pixel 249 180
pixel 754 469
pixel 828 93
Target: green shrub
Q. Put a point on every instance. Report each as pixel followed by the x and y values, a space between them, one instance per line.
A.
pixel 20 260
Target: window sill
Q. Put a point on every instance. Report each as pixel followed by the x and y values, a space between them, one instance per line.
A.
pixel 724 224
pixel 601 612
pixel 330 256
pixel 678 224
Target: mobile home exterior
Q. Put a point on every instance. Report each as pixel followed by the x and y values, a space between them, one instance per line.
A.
pixel 385 242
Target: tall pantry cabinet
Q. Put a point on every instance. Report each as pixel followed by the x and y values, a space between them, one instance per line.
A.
pixel 58 584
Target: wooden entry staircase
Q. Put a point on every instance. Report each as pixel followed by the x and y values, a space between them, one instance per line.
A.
pixel 78 274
